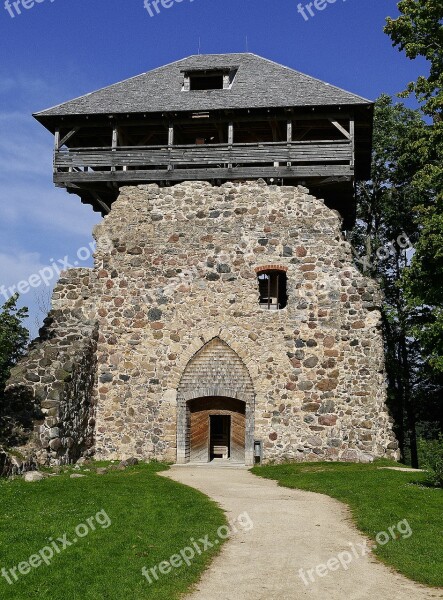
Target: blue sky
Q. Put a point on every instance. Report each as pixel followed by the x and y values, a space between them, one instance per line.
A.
pixel 60 49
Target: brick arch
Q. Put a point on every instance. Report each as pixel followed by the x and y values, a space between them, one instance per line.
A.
pixel 224 335
pixel 282 268
pixel 215 370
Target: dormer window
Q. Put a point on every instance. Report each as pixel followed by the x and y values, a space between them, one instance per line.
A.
pixel 201 80
pixel 207 81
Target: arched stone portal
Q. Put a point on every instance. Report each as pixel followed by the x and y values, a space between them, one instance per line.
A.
pixel 215 403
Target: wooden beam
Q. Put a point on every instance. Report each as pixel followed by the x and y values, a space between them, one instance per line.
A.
pixel 294 172
pixel 289 135
pixel 352 138
pixel 56 149
pixel 230 132
pixel 340 128
pixel 68 136
pixel 103 205
pixel 114 142
pixel 289 131
pixel 57 139
pixel 230 138
pixel 114 138
pixel 214 117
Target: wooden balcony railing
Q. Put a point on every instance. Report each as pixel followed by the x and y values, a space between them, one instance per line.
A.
pixel 304 159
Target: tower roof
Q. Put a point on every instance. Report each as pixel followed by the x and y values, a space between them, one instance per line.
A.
pixel 257 83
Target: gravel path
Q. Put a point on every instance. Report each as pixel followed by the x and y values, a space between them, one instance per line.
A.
pixel 292 530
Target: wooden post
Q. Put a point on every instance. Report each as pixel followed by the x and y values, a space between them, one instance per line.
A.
pixel 170 143
pixel 114 142
pixel 230 138
pixel 289 137
pixel 56 148
pixel 231 133
pixel 289 131
pixel 352 134
pixel 57 139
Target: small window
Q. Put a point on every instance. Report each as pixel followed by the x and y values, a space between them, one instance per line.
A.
pixel 272 286
pixel 206 82
pixel 218 79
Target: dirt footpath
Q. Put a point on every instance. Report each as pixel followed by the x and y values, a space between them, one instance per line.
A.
pixel 292 530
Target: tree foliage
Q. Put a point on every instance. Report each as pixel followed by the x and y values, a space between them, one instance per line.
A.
pixel 16 410
pixel 431 452
pixel 13 337
pixel 424 288
pixel 418 32
pixel 385 204
pixel 382 239
pixel 404 196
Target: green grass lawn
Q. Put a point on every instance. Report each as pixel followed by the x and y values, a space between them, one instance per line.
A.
pixel 379 499
pixel 151 518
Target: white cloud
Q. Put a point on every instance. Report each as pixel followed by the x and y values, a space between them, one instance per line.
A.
pixel 25 148
pixel 18 267
pixel 27 194
pixel 14 116
pixel 37 220
pixel 23 83
pixel 39 206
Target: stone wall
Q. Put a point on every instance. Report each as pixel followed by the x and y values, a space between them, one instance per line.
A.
pixel 182 271
pixel 175 268
pixel 59 374
pixel 15 464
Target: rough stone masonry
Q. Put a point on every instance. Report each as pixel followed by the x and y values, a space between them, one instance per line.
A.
pixel 170 313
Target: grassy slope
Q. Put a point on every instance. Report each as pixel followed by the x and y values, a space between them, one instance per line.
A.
pixel 379 499
pixel 152 518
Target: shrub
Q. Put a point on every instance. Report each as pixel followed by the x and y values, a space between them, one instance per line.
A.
pixel 431 454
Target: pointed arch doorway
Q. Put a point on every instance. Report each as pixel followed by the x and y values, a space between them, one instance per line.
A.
pixel 215 407
pixel 217 429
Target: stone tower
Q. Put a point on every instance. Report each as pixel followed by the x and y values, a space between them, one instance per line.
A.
pixel 224 317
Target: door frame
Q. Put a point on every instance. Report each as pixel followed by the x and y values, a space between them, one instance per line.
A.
pixel 227 418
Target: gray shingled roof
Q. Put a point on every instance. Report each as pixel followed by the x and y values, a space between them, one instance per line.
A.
pixel 259 83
